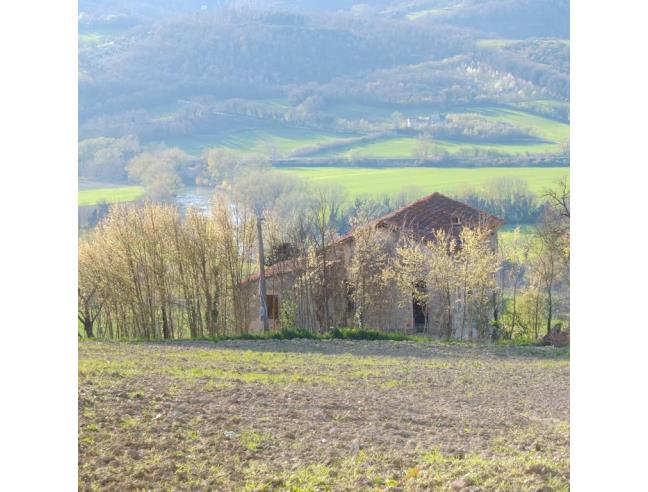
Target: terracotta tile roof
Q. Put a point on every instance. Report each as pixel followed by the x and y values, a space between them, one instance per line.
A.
pixel 437 211
pixel 421 218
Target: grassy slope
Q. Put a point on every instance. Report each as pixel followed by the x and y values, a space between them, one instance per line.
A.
pixel 363 181
pixel 406 147
pixel 555 133
pixel 281 140
pixel 262 141
pixel 546 128
pixel 110 195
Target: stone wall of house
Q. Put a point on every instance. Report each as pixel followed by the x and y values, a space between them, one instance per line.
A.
pixel 391 310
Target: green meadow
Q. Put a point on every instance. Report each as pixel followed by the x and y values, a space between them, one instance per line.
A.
pixel 110 195
pixel 370 181
pixel 394 148
pixel 256 141
pixel 552 135
pixel 280 140
pixel 541 126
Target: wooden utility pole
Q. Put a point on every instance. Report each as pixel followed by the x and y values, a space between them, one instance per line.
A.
pixel 263 308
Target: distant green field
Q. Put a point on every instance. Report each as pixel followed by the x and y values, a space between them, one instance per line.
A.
pixel 110 195
pixel 262 141
pixel 554 133
pixel 542 127
pixel 276 140
pixel 546 127
pixel 371 181
pixel 406 147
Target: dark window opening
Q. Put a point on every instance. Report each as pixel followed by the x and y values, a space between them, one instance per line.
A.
pixel 350 303
pixel 419 308
pixel 419 315
pixel 456 220
pixel 272 304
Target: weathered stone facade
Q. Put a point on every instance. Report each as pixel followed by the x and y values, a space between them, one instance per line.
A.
pixel 390 309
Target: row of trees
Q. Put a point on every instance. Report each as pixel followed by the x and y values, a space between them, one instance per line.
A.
pixel 535 277
pixel 524 282
pixel 162 171
pixel 505 197
pixel 469 127
pixel 145 272
pixel 148 271
pixel 455 274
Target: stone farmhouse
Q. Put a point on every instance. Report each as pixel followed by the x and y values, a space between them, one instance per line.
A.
pixel 288 283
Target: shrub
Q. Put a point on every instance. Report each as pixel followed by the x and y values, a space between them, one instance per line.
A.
pixel 357 334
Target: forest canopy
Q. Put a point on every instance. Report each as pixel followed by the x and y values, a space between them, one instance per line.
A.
pixel 162 70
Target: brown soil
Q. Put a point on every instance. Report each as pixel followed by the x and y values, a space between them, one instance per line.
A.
pixel 322 415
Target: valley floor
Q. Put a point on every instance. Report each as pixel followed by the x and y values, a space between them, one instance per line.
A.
pixel 322 415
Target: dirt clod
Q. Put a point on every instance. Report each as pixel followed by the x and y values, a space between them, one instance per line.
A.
pixel 459 484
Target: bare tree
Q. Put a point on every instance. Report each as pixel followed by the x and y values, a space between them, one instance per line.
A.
pixel 424 148
pixel 146 273
pixel 325 212
pixel 552 261
pixel 261 190
pixel 158 172
pixel 558 197
pixel 367 261
pixel 442 274
pixel 478 265
pixel 90 302
pixel 514 255
pixel 408 270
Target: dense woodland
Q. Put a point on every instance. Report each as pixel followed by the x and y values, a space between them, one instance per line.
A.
pixel 160 70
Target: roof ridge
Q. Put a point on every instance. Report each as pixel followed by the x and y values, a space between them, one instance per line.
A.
pixel 409 205
pixel 387 221
pixel 440 195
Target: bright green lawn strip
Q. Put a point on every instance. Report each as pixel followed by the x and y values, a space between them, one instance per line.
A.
pixel 376 182
pixel 110 195
pixel 541 126
pixel 255 140
pixel 406 147
pixel 547 128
